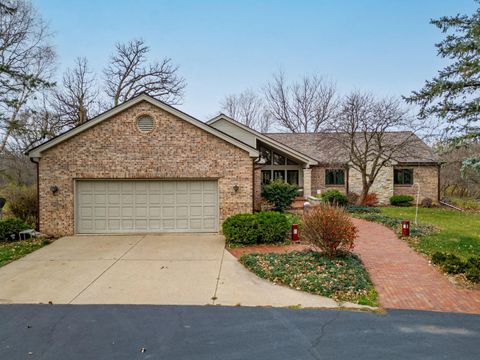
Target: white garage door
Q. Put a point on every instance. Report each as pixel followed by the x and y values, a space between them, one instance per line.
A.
pixel 146 206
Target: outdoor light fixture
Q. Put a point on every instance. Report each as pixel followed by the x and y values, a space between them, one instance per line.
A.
pixel 54 189
pixel 235 188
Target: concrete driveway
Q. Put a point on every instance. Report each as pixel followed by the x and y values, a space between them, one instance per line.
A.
pixel 184 269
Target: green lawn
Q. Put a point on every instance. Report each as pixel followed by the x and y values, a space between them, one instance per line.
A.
pixel 342 278
pixel 10 251
pixel 459 232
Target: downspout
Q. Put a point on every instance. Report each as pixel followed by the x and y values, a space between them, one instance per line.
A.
pixel 37 223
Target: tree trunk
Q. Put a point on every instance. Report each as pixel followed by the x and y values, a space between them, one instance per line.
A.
pixel 365 189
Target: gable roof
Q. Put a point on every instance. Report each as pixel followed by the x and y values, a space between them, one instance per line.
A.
pixel 36 152
pixel 267 140
pixel 326 148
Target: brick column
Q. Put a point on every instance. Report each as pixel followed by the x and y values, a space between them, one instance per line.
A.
pixel 307 182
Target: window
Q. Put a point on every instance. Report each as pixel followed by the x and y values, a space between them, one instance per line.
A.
pixel 266 177
pixel 279 175
pixel 278 159
pixel 266 155
pixel 334 177
pixel 403 176
pixel 291 162
pixel 292 177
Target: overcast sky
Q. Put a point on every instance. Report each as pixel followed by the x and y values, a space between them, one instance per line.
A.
pixel 225 47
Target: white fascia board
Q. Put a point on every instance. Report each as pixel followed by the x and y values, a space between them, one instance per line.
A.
pixel 267 140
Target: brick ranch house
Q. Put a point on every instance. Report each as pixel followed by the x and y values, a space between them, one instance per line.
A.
pixel 145 166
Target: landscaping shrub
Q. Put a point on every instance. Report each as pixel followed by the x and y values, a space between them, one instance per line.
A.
pixel 11 226
pixel 352 198
pixel 241 229
pixel 272 226
pixel 453 264
pixel 334 197
pixel 360 209
pixel 401 200
pixel 280 194
pixel 427 203
pixel 371 199
pixel 383 219
pixel 473 274
pixel 22 202
pixel 438 258
pixel 258 228
pixel 474 262
pixel 329 228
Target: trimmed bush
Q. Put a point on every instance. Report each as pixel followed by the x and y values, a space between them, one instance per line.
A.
pixel 280 194
pixel 352 198
pixel 473 274
pixel 334 197
pixel 10 227
pixel 427 203
pixel 272 226
pixel 453 264
pixel 240 229
pixel 329 228
pixel 262 227
pixel 438 258
pixel 401 200
pixel 371 199
pixel 360 209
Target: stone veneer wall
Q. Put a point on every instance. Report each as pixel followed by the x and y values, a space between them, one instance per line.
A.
pixel 426 177
pixel 115 149
pixel 382 186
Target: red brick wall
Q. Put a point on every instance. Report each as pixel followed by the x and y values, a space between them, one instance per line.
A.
pixel 115 149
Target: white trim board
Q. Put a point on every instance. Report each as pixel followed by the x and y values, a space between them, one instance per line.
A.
pixel 267 140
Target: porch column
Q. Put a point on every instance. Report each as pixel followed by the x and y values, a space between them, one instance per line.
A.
pixel 307 182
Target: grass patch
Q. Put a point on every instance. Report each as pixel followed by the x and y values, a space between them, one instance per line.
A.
pixel 342 278
pixel 457 232
pixel 10 251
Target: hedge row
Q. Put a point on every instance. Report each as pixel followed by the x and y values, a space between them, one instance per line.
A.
pixel 259 228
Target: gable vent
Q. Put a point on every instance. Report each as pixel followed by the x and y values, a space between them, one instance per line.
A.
pixel 145 124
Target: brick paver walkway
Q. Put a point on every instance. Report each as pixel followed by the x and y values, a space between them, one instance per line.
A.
pixel 404 279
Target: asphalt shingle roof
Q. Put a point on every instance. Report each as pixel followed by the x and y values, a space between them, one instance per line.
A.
pixel 325 147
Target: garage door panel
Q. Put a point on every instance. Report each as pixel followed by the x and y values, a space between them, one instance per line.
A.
pixel 181 212
pixel 209 198
pixel 100 199
pixel 155 212
pixel 168 199
pixel 155 199
pixel 129 206
pixel 196 198
pixel 196 211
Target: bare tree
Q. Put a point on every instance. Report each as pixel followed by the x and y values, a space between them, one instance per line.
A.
pixel 37 123
pixel 78 99
pixel 128 74
pixel 26 62
pixel 303 106
pixel 363 129
pixel 249 109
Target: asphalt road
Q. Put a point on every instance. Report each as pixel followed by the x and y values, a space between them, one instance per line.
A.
pixel 209 332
